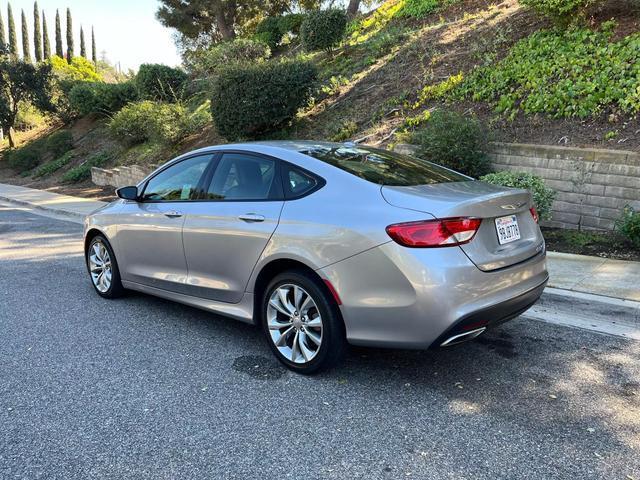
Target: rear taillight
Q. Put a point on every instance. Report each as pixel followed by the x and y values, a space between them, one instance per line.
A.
pixel 435 233
pixel 534 214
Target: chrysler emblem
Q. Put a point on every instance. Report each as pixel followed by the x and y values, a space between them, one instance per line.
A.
pixel 513 207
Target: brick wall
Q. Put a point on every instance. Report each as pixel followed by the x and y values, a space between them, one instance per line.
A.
pixel 592 185
pixel 120 176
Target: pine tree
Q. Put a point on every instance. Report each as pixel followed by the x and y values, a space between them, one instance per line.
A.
pixel 3 38
pixel 26 51
pixel 69 36
pixel 59 51
pixel 45 38
pixel 83 49
pixel 37 34
pixel 94 55
pixel 13 38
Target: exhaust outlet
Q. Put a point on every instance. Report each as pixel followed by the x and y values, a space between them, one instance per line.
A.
pixel 462 337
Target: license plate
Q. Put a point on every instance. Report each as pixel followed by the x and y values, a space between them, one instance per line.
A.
pixel 507 228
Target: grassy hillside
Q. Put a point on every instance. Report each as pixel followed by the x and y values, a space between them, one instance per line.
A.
pixel 398 63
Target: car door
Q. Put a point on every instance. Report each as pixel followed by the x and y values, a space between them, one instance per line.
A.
pixel 237 216
pixel 150 231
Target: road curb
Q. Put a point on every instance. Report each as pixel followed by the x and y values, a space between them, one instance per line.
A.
pixel 78 217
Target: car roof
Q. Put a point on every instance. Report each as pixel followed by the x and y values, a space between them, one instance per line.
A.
pixel 291 145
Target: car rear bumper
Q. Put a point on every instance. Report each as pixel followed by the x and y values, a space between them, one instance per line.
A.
pixel 400 297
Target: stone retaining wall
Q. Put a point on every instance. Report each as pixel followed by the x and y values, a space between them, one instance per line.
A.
pixel 592 185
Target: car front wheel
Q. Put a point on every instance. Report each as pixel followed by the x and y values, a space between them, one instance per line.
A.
pixel 302 323
pixel 103 268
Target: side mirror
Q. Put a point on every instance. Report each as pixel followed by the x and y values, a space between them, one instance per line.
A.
pixel 128 193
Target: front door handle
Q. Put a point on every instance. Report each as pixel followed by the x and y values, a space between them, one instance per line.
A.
pixel 252 217
pixel 173 214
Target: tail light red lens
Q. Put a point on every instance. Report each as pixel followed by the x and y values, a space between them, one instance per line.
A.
pixel 447 232
pixel 534 214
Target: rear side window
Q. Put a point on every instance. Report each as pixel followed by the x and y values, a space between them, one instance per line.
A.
pixel 384 167
pixel 297 182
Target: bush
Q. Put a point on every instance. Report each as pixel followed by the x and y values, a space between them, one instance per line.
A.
pixel 575 73
pixel 418 8
pixel 31 155
pixel 323 29
pixel 83 171
pixel 53 166
pixel 80 69
pixel 160 82
pixel 25 158
pixel 542 195
pixel 103 98
pixel 628 225
pixel 560 11
pixel 59 143
pixel 272 29
pixel 269 31
pixel 158 122
pixel 455 141
pixel 208 63
pixel 254 99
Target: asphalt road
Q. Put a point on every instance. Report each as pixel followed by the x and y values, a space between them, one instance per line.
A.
pixel 144 388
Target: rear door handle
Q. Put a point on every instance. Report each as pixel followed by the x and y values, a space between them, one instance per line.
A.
pixel 173 214
pixel 252 217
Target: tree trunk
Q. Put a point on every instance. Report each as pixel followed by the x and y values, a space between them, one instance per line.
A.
pixel 226 31
pixel 353 7
pixel 12 138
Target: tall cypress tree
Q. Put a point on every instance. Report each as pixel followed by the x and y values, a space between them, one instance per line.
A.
pixel 26 51
pixel 3 37
pixel 83 49
pixel 37 34
pixel 45 38
pixel 94 54
pixel 13 38
pixel 69 36
pixel 59 51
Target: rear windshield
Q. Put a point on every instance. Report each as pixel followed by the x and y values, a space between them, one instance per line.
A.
pixel 384 167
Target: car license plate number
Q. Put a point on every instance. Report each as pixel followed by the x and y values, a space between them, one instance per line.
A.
pixel 507 228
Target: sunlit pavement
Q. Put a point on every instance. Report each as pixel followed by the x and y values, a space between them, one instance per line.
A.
pixel 144 388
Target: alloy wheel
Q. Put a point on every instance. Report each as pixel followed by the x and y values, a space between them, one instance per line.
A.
pixel 294 322
pixel 100 267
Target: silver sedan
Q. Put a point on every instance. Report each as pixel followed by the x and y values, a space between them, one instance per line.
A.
pixel 323 245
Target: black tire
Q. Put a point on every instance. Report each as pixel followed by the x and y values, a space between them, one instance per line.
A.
pixel 116 289
pixel 333 346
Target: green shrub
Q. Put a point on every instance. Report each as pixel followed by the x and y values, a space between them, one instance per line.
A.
pixel 323 29
pixel 209 62
pixel 542 195
pixel 53 166
pixel 83 171
pixel 25 158
pixel 28 117
pixel 574 73
pixel 269 31
pixel 103 98
pixel 254 99
pixel 629 225
pixel 80 69
pixel 158 122
pixel 32 154
pixel 160 82
pixel 272 29
pixel 560 11
pixel 455 141
pixel 59 143
pixel 418 8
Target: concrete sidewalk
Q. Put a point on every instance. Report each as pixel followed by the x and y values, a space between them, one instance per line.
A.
pixel 576 273
pixel 66 205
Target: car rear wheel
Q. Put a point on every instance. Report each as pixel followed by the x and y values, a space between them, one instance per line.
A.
pixel 103 268
pixel 302 323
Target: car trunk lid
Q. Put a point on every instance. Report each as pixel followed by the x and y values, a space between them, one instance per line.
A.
pixel 479 200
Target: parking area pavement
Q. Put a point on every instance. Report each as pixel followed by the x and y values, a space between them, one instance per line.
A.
pixel 145 388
